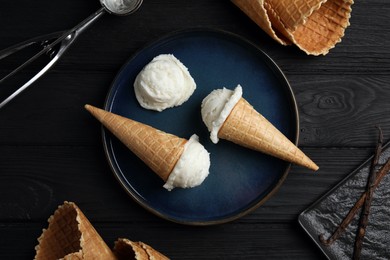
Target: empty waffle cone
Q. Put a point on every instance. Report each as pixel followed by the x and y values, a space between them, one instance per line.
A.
pixel 71 236
pixel 315 26
pixel 157 149
pixel 126 249
pixel 247 127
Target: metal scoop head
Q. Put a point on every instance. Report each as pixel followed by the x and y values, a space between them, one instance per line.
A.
pixel 121 7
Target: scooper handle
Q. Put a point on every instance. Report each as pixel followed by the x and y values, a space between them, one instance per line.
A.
pixel 50 43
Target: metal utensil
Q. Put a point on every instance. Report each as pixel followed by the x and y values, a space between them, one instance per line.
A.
pixel 55 44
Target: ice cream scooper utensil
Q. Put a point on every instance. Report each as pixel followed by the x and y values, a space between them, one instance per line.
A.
pixel 55 44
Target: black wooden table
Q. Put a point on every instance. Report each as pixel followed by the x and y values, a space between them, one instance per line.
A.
pixel 51 150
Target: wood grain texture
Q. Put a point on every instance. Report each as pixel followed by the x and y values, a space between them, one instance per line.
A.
pixel 45 176
pixel 257 241
pixel 333 111
pixel 51 149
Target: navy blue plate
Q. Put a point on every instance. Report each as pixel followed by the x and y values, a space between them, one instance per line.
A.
pixel 240 180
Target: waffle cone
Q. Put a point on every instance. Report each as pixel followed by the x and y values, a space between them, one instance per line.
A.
pixel 257 12
pixel 157 149
pixel 247 127
pixel 127 249
pixel 315 26
pixel 71 236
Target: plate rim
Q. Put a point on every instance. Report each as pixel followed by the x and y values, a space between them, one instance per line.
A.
pixel 273 66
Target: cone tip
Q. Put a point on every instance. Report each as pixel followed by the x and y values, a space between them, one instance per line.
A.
pixel 94 111
pixel 87 107
pixel 315 167
pixel 312 166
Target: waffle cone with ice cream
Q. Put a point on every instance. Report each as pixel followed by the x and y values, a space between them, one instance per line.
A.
pixel 315 26
pixel 178 161
pixel 71 236
pixel 229 116
pixel 159 150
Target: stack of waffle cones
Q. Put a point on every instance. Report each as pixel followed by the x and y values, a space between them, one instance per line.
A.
pixel 247 127
pixel 157 149
pixel 71 236
pixel 315 26
pixel 126 249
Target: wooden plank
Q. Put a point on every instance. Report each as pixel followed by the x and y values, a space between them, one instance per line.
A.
pixel 341 110
pixel 35 180
pixel 50 149
pixel 334 111
pixel 232 241
pixel 362 50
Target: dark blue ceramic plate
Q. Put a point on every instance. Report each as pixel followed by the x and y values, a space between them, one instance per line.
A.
pixel 240 179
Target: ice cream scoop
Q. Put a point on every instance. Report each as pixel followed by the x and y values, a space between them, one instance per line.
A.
pixel 229 116
pixel 163 83
pixel 54 45
pixel 216 107
pixel 191 168
pixel 179 162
